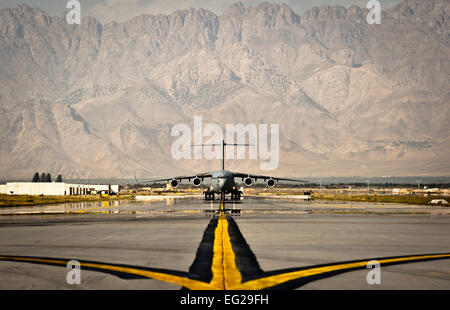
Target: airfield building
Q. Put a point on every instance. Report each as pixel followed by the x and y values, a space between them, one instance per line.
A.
pixel 56 188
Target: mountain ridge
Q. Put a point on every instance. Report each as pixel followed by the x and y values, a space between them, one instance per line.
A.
pixel 101 99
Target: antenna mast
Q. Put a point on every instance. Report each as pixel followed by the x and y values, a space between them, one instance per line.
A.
pixel 223 149
pixel 223 154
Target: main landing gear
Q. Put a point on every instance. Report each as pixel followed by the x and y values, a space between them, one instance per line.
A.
pixel 236 195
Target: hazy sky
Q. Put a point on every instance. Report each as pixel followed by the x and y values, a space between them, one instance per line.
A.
pixel 121 10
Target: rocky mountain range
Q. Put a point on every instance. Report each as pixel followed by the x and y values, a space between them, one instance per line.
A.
pixel 351 98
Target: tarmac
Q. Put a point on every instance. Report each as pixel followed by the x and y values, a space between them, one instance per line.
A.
pixel 256 243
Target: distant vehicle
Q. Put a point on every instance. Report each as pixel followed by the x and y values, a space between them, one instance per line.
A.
pixel 222 181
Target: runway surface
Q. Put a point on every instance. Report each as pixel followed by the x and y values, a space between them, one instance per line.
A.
pixel 271 244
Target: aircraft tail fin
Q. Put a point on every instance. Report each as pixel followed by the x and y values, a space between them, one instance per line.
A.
pixel 223 148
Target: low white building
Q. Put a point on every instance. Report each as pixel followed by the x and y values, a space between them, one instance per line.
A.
pixel 58 189
pixel 438 202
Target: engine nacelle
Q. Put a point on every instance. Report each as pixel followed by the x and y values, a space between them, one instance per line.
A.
pixel 197 181
pixel 271 183
pixel 174 183
pixel 248 181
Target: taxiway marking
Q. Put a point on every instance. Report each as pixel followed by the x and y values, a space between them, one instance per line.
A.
pixel 226 264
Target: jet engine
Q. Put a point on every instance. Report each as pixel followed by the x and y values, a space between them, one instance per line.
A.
pixel 197 181
pixel 174 183
pixel 248 181
pixel 270 183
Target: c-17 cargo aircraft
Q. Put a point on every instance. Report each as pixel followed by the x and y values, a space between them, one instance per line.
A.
pixel 222 181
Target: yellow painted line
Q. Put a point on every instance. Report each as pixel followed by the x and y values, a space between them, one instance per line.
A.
pixel 182 281
pixel 38 260
pixel 226 275
pixel 274 280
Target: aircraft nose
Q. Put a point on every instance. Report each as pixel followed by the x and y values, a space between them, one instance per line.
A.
pixel 222 182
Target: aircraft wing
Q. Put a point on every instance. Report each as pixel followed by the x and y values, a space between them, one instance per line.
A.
pixel 264 177
pixel 184 177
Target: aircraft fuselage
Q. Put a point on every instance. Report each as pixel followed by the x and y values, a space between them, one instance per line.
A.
pixel 222 181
